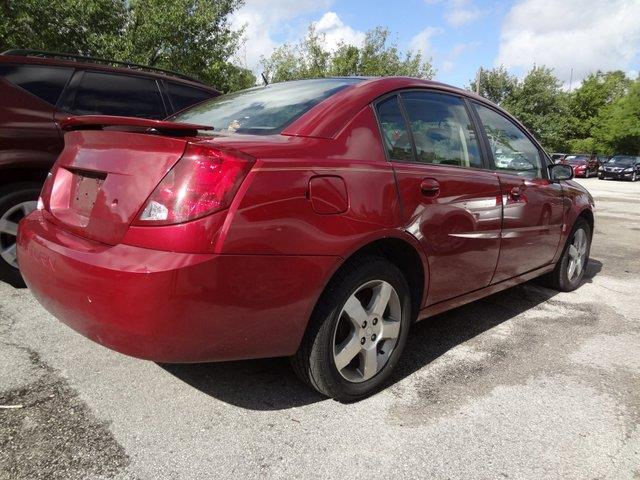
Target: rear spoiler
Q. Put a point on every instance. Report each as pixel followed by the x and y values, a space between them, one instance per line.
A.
pixel 98 122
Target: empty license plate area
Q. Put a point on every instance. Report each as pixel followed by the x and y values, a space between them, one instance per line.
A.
pixel 85 187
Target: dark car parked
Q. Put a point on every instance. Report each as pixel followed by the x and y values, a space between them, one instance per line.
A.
pixel 621 167
pixel 38 90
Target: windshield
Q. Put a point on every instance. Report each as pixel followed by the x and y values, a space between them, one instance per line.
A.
pixel 576 159
pixel 622 161
pixel 263 110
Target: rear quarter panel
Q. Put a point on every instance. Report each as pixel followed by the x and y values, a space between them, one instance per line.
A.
pixel 273 213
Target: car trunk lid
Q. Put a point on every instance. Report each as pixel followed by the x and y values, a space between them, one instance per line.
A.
pixel 106 172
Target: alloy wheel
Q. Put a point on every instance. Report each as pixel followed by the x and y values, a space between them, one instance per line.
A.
pixel 9 230
pixel 577 255
pixel 367 331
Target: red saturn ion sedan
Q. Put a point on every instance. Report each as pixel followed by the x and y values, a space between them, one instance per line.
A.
pixel 315 219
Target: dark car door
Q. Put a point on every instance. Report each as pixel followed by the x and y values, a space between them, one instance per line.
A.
pixel 28 134
pixel 533 205
pixel 450 203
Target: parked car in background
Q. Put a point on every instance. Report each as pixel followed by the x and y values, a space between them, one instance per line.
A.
pixel 583 164
pixel 621 167
pixel 315 219
pixel 602 159
pixel 38 89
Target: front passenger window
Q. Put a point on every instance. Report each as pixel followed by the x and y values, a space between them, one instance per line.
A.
pixel 513 152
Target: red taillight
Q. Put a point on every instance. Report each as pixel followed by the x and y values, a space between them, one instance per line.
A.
pixel 203 181
pixel 45 193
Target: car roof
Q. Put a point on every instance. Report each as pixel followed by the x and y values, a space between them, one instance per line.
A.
pixel 326 118
pixel 31 57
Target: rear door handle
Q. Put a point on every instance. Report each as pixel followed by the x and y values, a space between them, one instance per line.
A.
pixel 430 187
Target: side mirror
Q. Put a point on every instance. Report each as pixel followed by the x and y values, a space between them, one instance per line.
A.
pixel 560 172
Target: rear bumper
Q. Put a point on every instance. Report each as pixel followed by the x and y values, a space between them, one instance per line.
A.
pixel 172 307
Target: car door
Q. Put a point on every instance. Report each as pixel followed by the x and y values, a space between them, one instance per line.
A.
pixel 532 204
pixel 450 203
pixel 29 94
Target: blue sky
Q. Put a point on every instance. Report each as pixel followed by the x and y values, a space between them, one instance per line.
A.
pixel 462 35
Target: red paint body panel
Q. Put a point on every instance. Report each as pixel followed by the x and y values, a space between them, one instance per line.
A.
pixel 532 223
pixel 171 307
pixel 242 283
pixel 459 227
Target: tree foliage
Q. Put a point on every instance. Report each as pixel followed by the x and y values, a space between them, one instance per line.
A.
pixel 497 84
pixel 193 37
pixel 602 115
pixel 377 56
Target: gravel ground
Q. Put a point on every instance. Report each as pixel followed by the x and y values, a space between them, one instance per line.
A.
pixel 528 383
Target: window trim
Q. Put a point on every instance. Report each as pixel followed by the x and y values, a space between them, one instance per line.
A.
pixel 67 101
pixel 470 113
pixel 544 161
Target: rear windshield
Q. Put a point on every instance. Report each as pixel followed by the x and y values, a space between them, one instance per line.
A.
pixel 263 110
pixel 622 161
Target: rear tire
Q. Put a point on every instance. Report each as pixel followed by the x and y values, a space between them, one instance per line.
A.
pixel 16 201
pixel 355 337
pixel 570 269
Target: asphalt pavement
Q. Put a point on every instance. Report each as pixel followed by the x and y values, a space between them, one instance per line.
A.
pixel 526 384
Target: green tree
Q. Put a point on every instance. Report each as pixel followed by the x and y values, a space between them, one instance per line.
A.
pixel 617 127
pixel 596 91
pixel 539 102
pixel 496 84
pixel 193 37
pixel 376 57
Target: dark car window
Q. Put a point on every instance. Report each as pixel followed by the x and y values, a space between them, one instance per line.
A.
pixel 263 110
pixel 183 96
pixel 513 152
pixel 394 130
pixel 110 94
pixel 46 83
pixel 442 130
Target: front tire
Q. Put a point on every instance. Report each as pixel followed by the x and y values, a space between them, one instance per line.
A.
pixel 570 269
pixel 357 331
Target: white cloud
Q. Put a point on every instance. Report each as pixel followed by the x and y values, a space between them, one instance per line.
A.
pixel 335 31
pixel 458 12
pixel 421 42
pixel 457 50
pixel 263 21
pixel 461 12
pixel 583 35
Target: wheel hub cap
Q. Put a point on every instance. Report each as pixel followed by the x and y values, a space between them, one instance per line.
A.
pixel 9 230
pixel 367 331
pixel 577 255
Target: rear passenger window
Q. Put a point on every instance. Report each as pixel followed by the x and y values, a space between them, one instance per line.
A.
pixel 513 152
pixel 109 94
pixel 394 130
pixel 183 96
pixel 441 128
pixel 46 83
